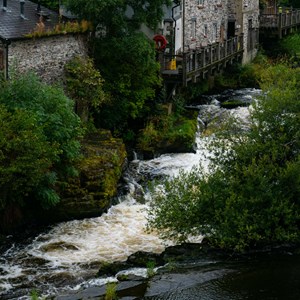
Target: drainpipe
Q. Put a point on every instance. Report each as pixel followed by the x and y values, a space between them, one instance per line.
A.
pixel 183 45
pixel 175 23
pixel 183 25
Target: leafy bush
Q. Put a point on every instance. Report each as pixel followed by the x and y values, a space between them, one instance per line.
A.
pixel 131 76
pixel 85 85
pixel 291 44
pixel 168 132
pixel 251 196
pixel 39 140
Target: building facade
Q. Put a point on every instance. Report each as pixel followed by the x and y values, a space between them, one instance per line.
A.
pixel 195 24
pixel 26 45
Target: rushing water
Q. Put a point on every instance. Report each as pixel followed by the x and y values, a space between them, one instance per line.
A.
pixel 68 256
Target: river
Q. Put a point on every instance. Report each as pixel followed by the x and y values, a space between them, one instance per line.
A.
pixel 67 256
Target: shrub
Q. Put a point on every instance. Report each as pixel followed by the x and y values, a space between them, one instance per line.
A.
pixel 165 132
pixel 39 140
pixel 84 85
pixel 251 197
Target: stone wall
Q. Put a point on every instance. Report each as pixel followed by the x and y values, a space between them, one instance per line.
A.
pixel 250 15
pixel 205 23
pixel 246 15
pixel 46 56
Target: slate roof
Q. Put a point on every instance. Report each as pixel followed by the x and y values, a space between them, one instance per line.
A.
pixel 13 26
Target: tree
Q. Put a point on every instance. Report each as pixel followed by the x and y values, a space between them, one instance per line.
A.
pixel 39 140
pixel 84 84
pixel 118 17
pixel 251 197
pixel 125 56
pixel 25 155
pixel 131 77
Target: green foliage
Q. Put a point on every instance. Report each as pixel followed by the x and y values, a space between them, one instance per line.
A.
pixel 61 28
pixel 150 268
pixel 111 16
pixel 34 295
pixel 111 291
pixel 237 76
pixel 85 85
pixel 125 56
pixel 25 154
pixel 195 91
pixel 288 3
pixel 169 132
pixel 233 103
pixel 290 48
pixel 131 76
pixel 39 140
pixel 251 196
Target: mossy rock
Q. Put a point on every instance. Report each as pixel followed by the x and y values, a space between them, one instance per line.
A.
pixel 100 170
pixel 233 104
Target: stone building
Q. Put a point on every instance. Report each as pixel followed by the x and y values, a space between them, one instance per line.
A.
pixel 243 16
pixel 30 40
pixel 194 24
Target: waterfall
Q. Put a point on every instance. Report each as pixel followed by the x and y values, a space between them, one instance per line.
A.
pixel 68 256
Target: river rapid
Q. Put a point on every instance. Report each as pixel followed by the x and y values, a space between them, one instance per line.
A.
pixel 67 256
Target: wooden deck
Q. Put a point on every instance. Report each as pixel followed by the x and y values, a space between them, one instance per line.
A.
pixel 279 24
pixel 196 64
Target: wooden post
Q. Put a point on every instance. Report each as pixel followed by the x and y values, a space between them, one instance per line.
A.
pixel 280 25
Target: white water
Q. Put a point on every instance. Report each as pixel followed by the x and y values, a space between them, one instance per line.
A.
pixel 68 256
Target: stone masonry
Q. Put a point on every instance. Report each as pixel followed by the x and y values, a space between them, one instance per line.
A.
pixel 46 56
pixel 206 22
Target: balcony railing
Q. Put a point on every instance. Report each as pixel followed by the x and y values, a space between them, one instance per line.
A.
pixel 190 65
pixel 280 20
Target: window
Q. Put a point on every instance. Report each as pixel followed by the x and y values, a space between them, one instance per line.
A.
pixel 193 35
pixel 205 30
pixel 215 32
pixel 200 3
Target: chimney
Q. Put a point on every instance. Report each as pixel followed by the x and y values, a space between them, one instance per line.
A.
pixel 4 7
pixel 22 4
pixel 38 8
